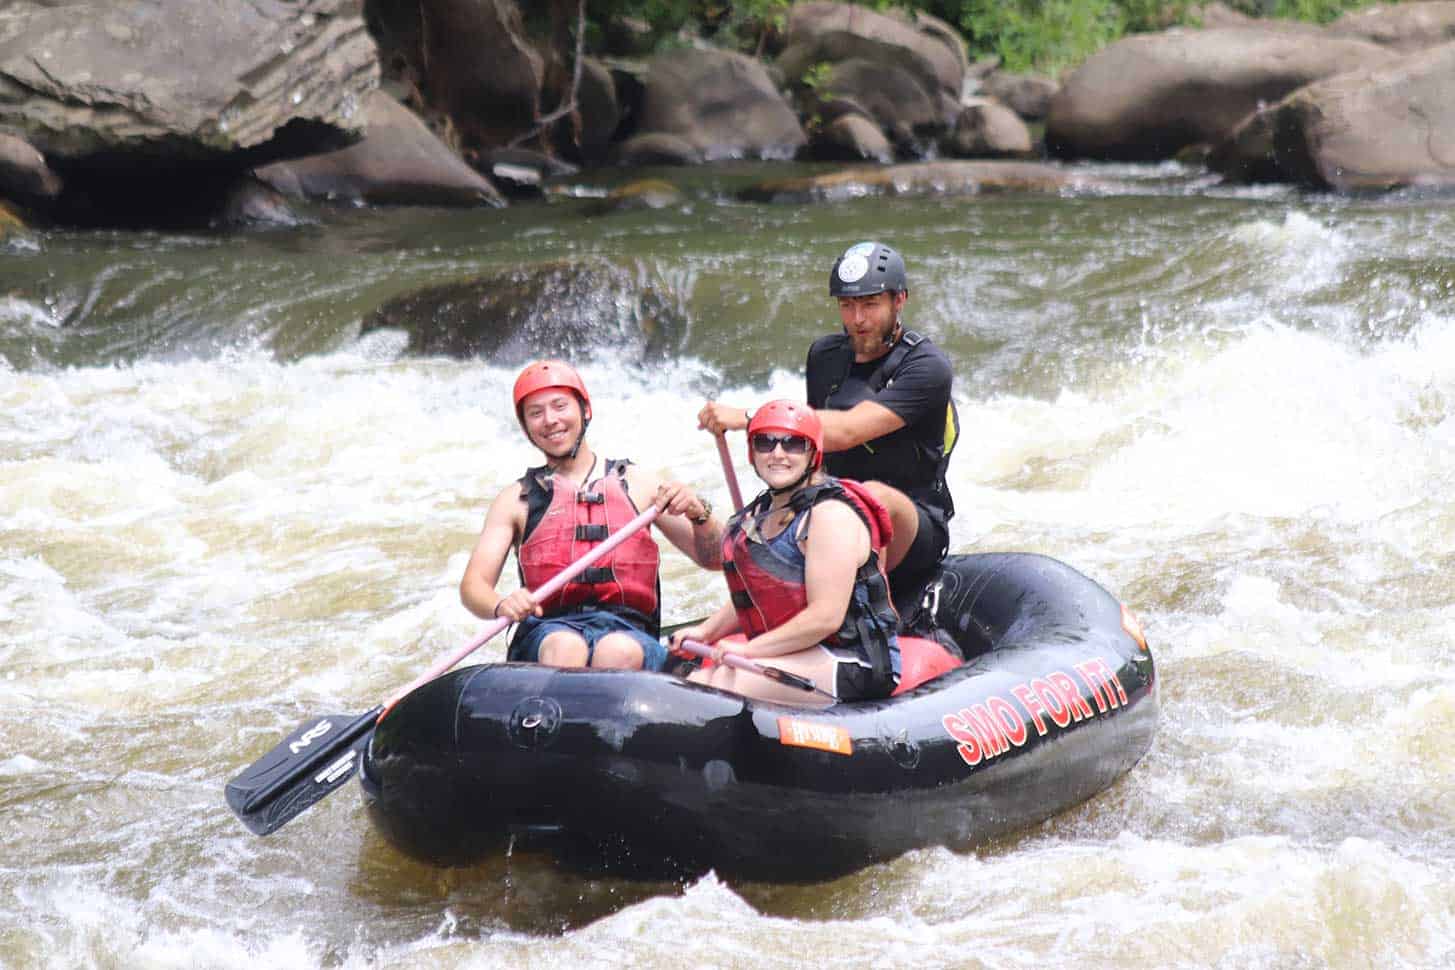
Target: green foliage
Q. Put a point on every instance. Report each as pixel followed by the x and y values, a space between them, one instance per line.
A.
pixel 1041 35
pixel 1316 11
pixel 1044 35
pixel 817 76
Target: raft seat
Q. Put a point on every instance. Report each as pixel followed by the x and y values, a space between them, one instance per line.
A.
pixel 921 660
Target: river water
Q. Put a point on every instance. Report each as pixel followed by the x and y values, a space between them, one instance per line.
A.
pixel 222 512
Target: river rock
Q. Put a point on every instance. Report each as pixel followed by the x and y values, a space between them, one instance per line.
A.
pixel 721 103
pixel 598 113
pixel 24 174
pixel 833 32
pixel 1379 128
pixel 639 194
pixel 1405 27
pixel 11 224
pixel 1028 95
pixel 123 84
pixel 1247 155
pixel 251 204
pixel 887 94
pixel 398 162
pixel 923 178
pixel 850 137
pixel 558 309
pixel 1147 97
pixel 656 148
pixel 987 129
pixel 470 61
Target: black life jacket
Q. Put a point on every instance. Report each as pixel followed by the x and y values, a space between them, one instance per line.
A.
pixel 901 459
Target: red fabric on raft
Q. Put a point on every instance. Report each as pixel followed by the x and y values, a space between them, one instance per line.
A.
pixel 921 660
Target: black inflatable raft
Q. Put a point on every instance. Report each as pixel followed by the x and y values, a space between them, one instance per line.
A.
pixel 645 772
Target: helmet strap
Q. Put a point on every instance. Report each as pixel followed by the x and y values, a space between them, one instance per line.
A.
pixel 585 423
pixel 807 474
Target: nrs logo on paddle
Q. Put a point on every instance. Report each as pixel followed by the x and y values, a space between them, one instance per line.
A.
pixel 311 735
pixel 990 729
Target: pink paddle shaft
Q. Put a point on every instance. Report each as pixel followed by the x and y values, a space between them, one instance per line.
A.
pixel 551 586
pixel 729 473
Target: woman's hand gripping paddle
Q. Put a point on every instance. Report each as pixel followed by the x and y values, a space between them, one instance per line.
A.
pixel 737 660
pixel 323 753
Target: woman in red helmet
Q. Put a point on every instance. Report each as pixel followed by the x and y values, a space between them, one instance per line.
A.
pixel 803 564
pixel 552 516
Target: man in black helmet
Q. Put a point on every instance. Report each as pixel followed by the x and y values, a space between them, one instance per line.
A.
pixel 883 394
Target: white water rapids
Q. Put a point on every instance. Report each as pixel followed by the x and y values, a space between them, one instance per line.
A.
pixel 1252 442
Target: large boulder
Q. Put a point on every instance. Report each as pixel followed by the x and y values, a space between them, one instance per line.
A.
pixel 101 83
pixel 831 32
pixel 889 95
pixel 586 134
pixel 471 64
pixel 566 308
pixel 1147 97
pixel 399 162
pixel 1379 128
pixel 1405 27
pixel 721 103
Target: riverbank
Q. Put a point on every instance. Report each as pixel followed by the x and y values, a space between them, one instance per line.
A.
pixel 442 103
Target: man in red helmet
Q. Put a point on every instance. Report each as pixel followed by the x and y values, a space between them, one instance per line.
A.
pixel 555 512
pixel 883 394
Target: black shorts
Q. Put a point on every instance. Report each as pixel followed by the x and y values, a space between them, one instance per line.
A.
pixel 854 678
pixel 921 563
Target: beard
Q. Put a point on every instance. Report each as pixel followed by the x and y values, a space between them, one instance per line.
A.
pixel 873 343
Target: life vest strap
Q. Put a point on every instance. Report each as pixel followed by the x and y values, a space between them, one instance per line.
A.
pixel 592 575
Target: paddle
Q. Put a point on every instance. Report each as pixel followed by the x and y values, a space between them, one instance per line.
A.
pixel 775 674
pixel 728 472
pixel 321 754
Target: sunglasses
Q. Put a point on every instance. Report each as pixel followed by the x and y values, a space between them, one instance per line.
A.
pixel 792 444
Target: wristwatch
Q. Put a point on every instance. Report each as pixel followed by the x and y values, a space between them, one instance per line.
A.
pixel 706 512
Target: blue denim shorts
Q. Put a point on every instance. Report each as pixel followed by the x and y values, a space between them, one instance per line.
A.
pixel 591 626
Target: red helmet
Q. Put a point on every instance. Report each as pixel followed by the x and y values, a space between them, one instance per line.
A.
pixel 789 417
pixel 551 373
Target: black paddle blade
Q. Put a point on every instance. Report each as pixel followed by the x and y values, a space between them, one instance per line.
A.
pixel 307 765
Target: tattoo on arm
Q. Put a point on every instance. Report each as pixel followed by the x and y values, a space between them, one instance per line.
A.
pixel 707 547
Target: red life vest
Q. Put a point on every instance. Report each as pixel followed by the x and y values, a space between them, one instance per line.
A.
pixel 562 524
pixel 767 578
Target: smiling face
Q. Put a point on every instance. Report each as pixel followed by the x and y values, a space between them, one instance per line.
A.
pixel 868 320
pixel 552 419
pixel 778 468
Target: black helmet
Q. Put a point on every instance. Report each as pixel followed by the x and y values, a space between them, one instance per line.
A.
pixel 867 268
